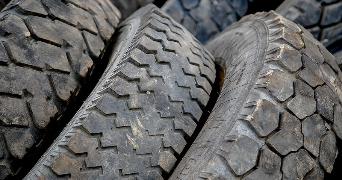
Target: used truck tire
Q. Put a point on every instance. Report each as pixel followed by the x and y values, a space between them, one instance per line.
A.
pixel 279 112
pixel 48 50
pixel 205 18
pixel 136 121
pixel 323 19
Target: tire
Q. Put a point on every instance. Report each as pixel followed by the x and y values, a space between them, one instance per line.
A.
pixel 322 19
pixel 136 121
pixel 48 51
pixel 279 111
pixel 128 7
pixel 205 18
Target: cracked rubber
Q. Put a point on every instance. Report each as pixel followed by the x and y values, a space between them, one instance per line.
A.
pixel 127 7
pixel 147 104
pixel 323 19
pixel 279 111
pixel 48 49
pixel 205 18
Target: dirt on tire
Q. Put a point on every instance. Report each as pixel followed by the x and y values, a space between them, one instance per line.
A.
pixel 48 49
pixel 147 104
pixel 278 115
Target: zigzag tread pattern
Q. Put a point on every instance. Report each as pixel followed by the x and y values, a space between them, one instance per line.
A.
pixel 285 122
pixel 48 50
pixel 138 118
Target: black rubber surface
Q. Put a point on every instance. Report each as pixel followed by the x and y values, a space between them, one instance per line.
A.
pixel 205 18
pixel 279 113
pixel 128 7
pixel 147 104
pixel 321 18
pixel 48 49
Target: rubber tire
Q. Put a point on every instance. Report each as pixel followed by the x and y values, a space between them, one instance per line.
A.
pixel 128 7
pixel 279 111
pixel 136 121
pixel 47 55
pixel 323 19
pixel 205 18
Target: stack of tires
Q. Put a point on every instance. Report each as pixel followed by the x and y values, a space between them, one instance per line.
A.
pixel 115 89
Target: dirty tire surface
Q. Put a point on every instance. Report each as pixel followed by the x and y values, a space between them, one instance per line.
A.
pixel 128 7
pixel 278 115
pixel 205 18
pixel 147 104
pixel 323 19
pixel 48 50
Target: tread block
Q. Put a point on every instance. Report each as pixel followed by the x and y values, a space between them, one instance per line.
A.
pixel 303 104
pixel 313 16
pixel 63 165
pixel 328 151
pixel 38 55
pixel 243 154
pixel 338 121
pixel 268 168
pixel 64 86
pixel 61 34
pixel 42 108
pixel 310 78
pixel 289 36
pixel 297 165
pixel 313 129
pixel 325 102
pixel 15 26
pixel 26 80
pixel 288 56
pixel 264 118
pixel 105 29
pixel 289 138
pixel 18 140
pixel 280 85
pixel 328 11
pixel 32 7
pixel 71 14
pixel 20 117
pixel 94 43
